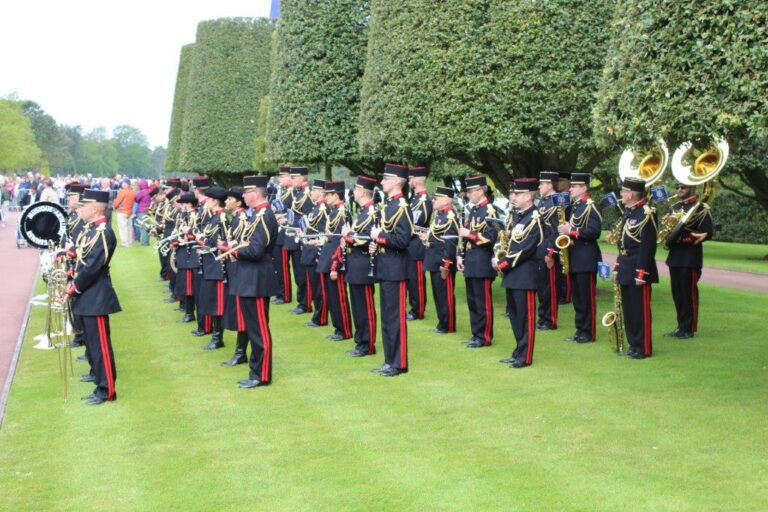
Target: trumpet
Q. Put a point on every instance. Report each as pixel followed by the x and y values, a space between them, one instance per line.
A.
pixel 228 252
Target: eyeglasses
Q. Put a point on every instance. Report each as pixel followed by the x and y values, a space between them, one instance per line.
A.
pixel 681 186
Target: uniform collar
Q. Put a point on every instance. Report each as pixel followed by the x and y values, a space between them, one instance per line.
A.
pixel 583 199
pixel 399 195
pixel 99 221
pixel 260 206
pixel 447 208
pixel 482 203
pixel 690 200
pixel 421 193
pixel 368 204
pixel 339 204
pixel 219 211
pixel 639 204
pixel 239 211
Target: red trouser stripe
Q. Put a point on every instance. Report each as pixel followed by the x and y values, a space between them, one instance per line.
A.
pixel 694 301
pixel 106 360
pixel 286 276
pixel 240 318
pixel 342 289
pixel 403 327
pixel 531 325
pixel 449 291
pixel 266 338
pixel 323 302
pixel 308 284
pixel 219 298
pixel 568 287
pixel 189 283
pixel 553 296
pixel 488 311
pixel 371 318
pixel 647 320
pixel 207 324
pixel 592 306
pixel 420 286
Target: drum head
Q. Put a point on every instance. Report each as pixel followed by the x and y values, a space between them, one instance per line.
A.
pixel 43 223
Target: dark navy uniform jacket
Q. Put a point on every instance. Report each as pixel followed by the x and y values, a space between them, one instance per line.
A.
pixel 186 256
pixel 421 209
pixel 91 289
pixel 684 252
pixel 587 224
pixel 637 245
pixel 392 251
pixel 301 205
pixel 442 252
pixel 316 223
pixel 255 266
pixel 211 233
pixel 520 265
pixel 548 215
pixel 336 219
pixel 237 225
pixel 287 198
pixel 358 260
pixel 478 247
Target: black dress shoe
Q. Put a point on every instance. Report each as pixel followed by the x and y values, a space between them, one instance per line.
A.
pixel 76 343
pixel 572 338
pixel 381 368
pixel 236 360
pixel 250 383
pixel 475 344
pixel 95 400
pixel 298 311
pixel 507 360
pixel 277 301
pixel 186 319
pixel 392 372
pixel 170 300
pixel 545 327
pixel 682 335
pixel 518 363
pixel 213 345
pixel 410 316
pixel 437 330
pixel 198 332
pixel 636 355
pixel 674 333
pixel 358 353
pixel 336 337
pixel 583 338
pixel 82 358
pixel 88 396
pixel 88 378
pixel 312 324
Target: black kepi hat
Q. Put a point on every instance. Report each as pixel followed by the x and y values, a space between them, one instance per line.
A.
pixel 94 196
pixel 474 182
pixel 189 198
pixel 395 171
pixel 525 185
pixel 365 182
pixel 299 171
pixel 236 192
pixel 172 193
pixel 580 178
pixel 549 177
pixel 217 193
pixel 173 182
pixel 284 169
pixel 334 187
pixel 250 182
pixel 633 184
pixel 417 172
pixel 74 188
pixel 444 192
pixel 319 184
pixel 201 181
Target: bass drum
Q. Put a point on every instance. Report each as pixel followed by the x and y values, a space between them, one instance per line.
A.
pixel 43 223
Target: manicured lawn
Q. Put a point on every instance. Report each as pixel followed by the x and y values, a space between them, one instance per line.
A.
pixel 731 256
pixel 582 429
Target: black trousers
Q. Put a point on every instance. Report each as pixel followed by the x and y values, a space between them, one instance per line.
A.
pixel 364 315
pixel 685 293
pixel 480 303
pixel 394 326
pixel 417 287
pixel 338 304
pixel 99 347
pixel 547 292
pixel 300 277
pixel 521 305
pixel 163 266
pixel 255 311
pixel 283 272
pixel 636 306
pixel 583 288
pixel 317 295
pixel 564 289
pixel 444 295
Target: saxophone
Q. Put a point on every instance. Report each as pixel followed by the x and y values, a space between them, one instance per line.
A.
pixel 562 242
pixel 614 320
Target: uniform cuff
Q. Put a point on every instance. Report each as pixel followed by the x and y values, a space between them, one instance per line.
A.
pixel 447 263
pixel 574 233
pixel 640 274
pixel 381 240
pixel 504 264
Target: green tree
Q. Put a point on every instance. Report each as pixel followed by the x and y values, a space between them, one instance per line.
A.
pixel 49 136
pixel 158 161
pixel 99 154
pixel 505 87
pixel 316 82
pixel 133 154
pixel 17 140
pixel 228 77
pixel 685 70
pixel 179 108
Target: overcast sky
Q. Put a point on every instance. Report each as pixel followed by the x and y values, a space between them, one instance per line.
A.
pixel 104 63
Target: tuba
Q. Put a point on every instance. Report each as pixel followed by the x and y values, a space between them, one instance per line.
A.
pixel 647 165
pixel 692 166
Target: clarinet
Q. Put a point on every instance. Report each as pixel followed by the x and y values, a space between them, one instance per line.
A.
pixel 372 254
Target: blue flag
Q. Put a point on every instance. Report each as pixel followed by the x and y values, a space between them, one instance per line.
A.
pixel 561 199
pixel 659 194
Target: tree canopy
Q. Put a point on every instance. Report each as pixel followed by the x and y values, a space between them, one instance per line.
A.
pixel 179 106
pixel 228 76
pixel 17 140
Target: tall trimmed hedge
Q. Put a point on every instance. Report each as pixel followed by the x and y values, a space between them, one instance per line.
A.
pixel 229 76
pixel 506 87
pixel 179 106
pixel 315 90
pixel 686 70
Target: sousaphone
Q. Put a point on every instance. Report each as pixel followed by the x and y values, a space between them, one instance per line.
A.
pixel 647 164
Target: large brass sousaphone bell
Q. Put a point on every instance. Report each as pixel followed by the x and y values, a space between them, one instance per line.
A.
pixel 693 165
pixel 648 164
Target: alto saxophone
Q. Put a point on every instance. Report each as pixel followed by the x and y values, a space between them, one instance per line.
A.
pixel 562 242
pixel 614 320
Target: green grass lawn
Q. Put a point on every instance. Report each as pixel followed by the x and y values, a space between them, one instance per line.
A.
pixel 727 255
pixel 581 429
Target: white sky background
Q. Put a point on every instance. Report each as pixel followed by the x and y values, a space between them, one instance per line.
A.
pixel 104 63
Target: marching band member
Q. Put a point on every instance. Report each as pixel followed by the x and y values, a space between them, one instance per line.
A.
pixel 187 261
pixel 390 240
pixel 421 208
pixel 316 222
pixel 563 280
pixel 255 282
pixel 635 268
pixel 478 239
pixel 282 262
pixel 685 260
pixel 233 321
pixel 301 205
pixel 333 278
pixel 202 215
pixel 358 269
pixel 213 285
pixel 548 267
pixel 93 298
pixel 519 267
pixel 583 227
pixel 75 226
pixel 440 258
